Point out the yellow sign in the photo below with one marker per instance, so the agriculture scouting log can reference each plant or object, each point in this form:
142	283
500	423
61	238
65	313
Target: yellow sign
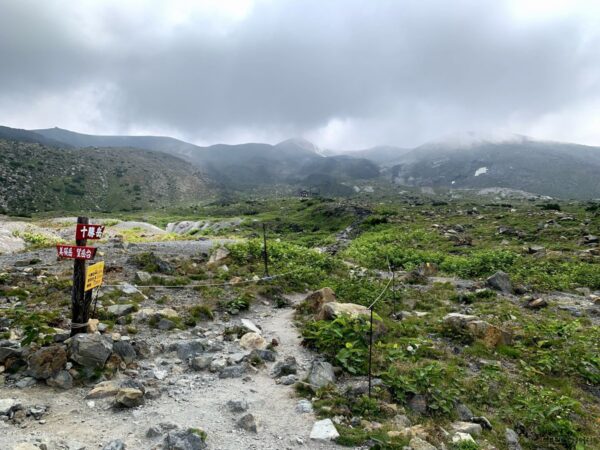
93	275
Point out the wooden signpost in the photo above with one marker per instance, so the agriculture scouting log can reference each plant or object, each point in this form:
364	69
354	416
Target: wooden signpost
81	296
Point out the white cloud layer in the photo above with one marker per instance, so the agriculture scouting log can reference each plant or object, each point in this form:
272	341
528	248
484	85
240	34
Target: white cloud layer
344	73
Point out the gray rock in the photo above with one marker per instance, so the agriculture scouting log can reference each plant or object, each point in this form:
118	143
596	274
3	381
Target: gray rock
304	406
201	362
117	444
142	277
474	429
248	423
120	310
249	325
236	371
165	324
324	430
188	349
265	355
6	352
464	413
37	411
288	380
288	366
183	440
26	382
237	405
321	374
62	380
125	350
46	362
417	443
500	281
9	405
90	350
400	421
160	429
512	440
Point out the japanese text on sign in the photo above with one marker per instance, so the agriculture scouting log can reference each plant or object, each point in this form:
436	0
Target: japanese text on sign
75	252
88	231
93	276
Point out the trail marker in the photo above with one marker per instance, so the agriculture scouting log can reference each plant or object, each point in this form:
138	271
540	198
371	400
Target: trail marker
88	231
94	275
75	251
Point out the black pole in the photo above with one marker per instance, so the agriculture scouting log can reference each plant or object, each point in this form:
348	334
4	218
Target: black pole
80	300
265	253
394	290
370	350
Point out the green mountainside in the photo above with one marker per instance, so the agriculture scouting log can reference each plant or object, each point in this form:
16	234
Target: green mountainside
34	177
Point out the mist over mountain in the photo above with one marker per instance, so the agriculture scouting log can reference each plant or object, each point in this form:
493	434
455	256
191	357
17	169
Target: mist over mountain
464	161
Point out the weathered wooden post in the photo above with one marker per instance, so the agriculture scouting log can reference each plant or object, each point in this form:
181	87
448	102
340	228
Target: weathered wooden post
80	300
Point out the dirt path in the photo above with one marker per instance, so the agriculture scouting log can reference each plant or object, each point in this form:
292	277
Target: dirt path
189	399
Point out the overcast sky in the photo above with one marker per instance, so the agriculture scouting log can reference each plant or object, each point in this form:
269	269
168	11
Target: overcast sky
344	74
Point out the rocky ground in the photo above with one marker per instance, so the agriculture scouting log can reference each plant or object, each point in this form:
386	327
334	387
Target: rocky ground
200	378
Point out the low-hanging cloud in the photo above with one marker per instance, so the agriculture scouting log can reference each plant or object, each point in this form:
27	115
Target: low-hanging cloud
345	73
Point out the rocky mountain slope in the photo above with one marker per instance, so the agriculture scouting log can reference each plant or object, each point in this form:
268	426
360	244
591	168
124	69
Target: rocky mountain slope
548	168
35	177
293	162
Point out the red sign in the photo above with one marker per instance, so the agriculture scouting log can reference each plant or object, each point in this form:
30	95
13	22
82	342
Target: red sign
75	252
88	231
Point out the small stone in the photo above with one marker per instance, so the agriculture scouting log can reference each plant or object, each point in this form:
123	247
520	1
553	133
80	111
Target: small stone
249	325
237	405
26	382
500	281
400	421
304	407
117	444
9	405
26	446
288	380
165	324
248	423
417	443
474	429
512	440
324	430
129	397
183	440
120	310
459	437
235	371
464	413
334	310
288	366
251	341
537	303
201	362
142	277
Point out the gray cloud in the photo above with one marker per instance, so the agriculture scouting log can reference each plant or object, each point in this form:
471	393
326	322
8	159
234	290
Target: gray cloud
345	73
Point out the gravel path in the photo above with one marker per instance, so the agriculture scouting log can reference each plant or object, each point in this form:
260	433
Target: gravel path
189	399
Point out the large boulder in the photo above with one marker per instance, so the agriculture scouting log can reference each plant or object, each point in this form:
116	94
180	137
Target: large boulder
47	362
333	310
321	374
7	352
90	350
491	335
500	281
317	299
